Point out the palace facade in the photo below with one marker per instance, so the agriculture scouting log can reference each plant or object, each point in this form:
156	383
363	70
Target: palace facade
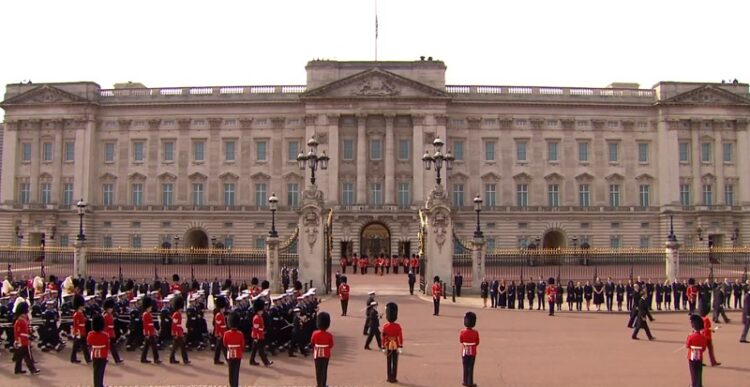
555	166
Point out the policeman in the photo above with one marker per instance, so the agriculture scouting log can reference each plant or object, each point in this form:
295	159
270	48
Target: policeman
373	323
393	341
469	339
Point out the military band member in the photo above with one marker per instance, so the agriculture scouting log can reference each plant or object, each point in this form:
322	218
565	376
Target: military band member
395	262
109	328
322	343
175	287
99	343
414	262
344	262
696	345
258	334
298	326
178	333
21	343
344	295
234	341
393	341
220	327
149	332
469	339
437	292
373	325
386	266
79	331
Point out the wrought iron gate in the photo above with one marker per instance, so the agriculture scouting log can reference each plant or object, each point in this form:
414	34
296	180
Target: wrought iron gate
328	230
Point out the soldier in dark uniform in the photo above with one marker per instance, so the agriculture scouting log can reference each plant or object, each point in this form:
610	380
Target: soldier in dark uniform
370	300
745	316
458	280
620	291
641	315
540	288
521	293
373	323
609	293
530	292
512	295
297	342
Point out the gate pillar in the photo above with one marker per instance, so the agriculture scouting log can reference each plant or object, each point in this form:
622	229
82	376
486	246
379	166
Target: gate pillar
312	238
439	236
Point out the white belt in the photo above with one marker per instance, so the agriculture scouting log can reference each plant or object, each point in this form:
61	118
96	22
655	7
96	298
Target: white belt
321	346
233	346
98	346
470	344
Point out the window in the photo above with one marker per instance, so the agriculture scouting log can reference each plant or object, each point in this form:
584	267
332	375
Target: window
24	196
137	194
584	195
458	195
645	242
292	195
490	244
684	150
292	150
490	200
261	195
645	195
404	195
583	151
458	150
521	150
108	193
376	194
552	150
26	152
229	194
64	241
168	151
197	194
67	194
685	199
45	193
727	154
708	194
489	151
109	152
135	241
375	149
614	195
614	152
198	150
729	194
347	149
47	151
553	195
138	151
167	194
347	193
260	243
260	151
643	152
706	152
70	152
228	242
229	150
522	195
614	241
107	241
403	149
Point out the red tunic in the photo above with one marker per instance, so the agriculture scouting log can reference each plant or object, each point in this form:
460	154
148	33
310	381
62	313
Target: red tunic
220	324
109	325
52	287
234	341
469	340
414	262
343	262
696	345
148	324
79	325
706	332
344	292
322	342
254	290
551	293
21	330
395	262
392	336
259	328
177	324
387	262
175	287
99	344
437	290
692	293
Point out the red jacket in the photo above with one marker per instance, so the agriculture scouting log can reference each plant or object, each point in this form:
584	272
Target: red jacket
344	292
469	340
706	332
177	324
234	341
79	325
551	293
148	324
322	342
437	290
109	325
220	324
392	336
696	345
692	293
175	287
21	330
259	328
98	342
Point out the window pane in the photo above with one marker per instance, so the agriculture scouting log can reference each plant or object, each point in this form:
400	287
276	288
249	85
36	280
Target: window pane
169	151
229	151
293	150
553	195
458	150
198	148
376	193
522	195
375	151
260	151
137	194
26	151
489	195
261	195
685	194
229	194
47	151
708	198
684	152
292	196
642	152
109	152
138	151
583	151
347	193
521	151
614	195
70	151
729	194
552	151
348	149
403	149
728	152
68	194
404	195
458	195
489	151
614	152
584	196
645	195
706	152
167	194
197	194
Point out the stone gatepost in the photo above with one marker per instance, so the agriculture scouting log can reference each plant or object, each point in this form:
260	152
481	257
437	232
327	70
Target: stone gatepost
477	263
439	237
312	238
79	259
272	263
672	254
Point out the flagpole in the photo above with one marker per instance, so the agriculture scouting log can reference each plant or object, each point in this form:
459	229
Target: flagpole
376	30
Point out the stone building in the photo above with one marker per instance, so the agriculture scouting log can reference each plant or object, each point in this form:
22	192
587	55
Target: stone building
560	165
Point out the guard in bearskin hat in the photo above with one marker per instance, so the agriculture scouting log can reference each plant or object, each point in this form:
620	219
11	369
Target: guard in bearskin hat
696	345
551	293
99	342
322	342
220	326
234	341
21	332
79	330
437	292
109	327
178	334
393	341
149	332
175	287
469	339
258	334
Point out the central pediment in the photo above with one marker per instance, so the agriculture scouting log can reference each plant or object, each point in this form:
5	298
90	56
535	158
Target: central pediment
44	95
707	95
375	83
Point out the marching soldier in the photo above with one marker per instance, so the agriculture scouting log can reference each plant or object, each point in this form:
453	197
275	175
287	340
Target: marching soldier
469	339
395	262
386	266
322	343
99	343
393	341
437	292
344	262
258	334
149	332
373	323
707	333
109	328
234	341
178	334
220	327
370	299
696	345
642	314
79	331
21	331
344	295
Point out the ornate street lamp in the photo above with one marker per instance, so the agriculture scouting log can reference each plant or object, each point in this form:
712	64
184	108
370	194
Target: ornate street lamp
478	209
437	159
312	159
709	245
671	237
176	241
272	203
81	212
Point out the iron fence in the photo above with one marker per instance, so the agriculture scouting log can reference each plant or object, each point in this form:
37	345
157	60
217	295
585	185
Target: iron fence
28	262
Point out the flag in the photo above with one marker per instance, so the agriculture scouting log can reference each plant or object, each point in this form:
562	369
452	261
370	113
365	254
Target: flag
376	26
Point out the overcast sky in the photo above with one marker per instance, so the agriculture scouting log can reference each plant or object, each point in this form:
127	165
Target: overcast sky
497	42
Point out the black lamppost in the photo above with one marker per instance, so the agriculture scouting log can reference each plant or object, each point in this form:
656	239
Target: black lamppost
312	159
709	245
437	159
478	208
272	202
81	211
671	237
735	237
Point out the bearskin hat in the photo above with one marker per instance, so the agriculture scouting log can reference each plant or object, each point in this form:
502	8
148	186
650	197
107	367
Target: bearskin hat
129	285
343	279
254	281
21	307
235	320
297	285
696	322
178	303
258	305
220	302
691	281
97	323
109	303
265	285
175	278
78	301
52	279
324	320
147	302
551	280
470	319
436	279
391	312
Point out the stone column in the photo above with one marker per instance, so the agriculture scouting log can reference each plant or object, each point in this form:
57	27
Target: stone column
79	259
439	238
390	162
272	263
333	166
8	189
477	263
312	237
743	165
672	252
362	160
418	149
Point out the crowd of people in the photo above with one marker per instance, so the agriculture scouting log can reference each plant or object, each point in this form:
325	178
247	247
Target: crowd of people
381	264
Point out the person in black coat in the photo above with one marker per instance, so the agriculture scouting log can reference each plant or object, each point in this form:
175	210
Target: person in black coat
541	286
570	297
620	292
484	291
676	293
579	296
718	305
629	294
745	316
502	295
521	294
458	280
373	323
412	281
609	293
512	295
588	294
737	292
659	293
667	288
641	315
494	289
531	292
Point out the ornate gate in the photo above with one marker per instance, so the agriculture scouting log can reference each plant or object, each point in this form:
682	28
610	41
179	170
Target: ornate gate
288	254
421	235
328	250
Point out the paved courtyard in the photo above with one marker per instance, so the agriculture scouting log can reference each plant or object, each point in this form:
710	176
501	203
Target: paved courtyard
518	348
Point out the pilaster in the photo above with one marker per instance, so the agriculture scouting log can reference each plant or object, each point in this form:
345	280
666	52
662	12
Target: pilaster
390	162
272	263
8	188
362	160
